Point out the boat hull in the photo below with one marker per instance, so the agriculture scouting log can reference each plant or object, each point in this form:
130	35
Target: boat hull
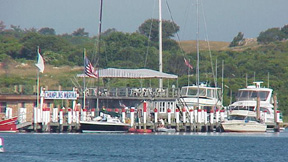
99	127
133	130
9	125
243	127
168	130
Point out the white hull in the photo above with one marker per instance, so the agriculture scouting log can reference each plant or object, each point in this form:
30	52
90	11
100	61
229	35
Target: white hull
163	129
242	126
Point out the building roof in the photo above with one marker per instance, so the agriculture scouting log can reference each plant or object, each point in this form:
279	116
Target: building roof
132	73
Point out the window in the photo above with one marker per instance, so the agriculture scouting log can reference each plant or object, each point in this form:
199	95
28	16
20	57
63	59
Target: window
3	107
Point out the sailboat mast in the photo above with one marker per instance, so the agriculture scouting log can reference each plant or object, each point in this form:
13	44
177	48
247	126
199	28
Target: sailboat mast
84	80
160	43
197	46
98	63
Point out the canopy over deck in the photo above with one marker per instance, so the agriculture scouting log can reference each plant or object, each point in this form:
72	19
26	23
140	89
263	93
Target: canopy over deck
132	73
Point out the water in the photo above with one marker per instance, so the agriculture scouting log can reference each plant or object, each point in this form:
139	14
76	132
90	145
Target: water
146	147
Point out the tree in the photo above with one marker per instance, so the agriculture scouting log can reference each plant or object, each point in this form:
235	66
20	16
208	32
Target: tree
238	40
150	28
108	31
270	35
80	33
284	29
47	31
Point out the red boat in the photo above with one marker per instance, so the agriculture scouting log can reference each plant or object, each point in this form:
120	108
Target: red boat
9	125
133	130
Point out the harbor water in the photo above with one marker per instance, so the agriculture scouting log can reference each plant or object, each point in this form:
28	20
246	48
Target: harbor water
146	147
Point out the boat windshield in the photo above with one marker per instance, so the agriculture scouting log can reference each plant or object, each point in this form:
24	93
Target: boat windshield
236	117
244	95
192	91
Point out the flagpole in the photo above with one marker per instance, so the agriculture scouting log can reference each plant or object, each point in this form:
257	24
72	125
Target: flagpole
84	81
38	77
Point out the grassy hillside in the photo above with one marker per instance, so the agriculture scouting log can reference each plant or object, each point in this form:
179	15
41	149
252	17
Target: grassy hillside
190	46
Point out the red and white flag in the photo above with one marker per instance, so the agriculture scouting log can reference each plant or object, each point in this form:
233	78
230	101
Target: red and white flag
188	64
89	69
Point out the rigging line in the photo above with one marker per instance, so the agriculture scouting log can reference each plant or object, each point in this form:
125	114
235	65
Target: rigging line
188	8
180	45
208	43
149	36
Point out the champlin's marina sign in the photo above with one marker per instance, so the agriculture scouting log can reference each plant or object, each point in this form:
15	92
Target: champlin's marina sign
66	95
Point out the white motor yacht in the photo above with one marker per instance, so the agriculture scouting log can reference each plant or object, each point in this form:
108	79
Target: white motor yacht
243	121
247	100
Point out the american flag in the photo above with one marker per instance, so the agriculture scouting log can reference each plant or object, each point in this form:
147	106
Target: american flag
89	69
187	64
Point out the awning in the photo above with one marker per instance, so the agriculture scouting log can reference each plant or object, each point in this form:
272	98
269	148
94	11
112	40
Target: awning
132	73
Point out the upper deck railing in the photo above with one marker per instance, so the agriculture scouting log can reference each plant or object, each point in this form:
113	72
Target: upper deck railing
134	92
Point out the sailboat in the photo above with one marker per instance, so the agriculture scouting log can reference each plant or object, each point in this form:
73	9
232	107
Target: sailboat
103	122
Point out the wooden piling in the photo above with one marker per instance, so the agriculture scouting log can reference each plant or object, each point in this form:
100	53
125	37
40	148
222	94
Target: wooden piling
276	127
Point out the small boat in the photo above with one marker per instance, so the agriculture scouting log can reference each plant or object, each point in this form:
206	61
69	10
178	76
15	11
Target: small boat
243	121
133	130
1	144
9	125
104	123
164	129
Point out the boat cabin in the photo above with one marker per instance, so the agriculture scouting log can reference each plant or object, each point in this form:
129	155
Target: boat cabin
252	92
204	91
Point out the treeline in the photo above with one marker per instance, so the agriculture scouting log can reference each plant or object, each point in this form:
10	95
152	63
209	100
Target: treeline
117	49
140	50
265	37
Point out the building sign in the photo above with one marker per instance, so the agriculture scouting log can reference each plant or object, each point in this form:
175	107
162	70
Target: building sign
63	95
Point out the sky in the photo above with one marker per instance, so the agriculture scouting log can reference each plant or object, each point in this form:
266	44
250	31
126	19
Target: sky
219	20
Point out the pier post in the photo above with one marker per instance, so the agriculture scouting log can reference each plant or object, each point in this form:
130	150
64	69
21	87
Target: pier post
169	117
276	114
55	115
222	112
205	120
177	119
258	108
199	121
155	118
74	107
217	116
211	120
265	116
184	118
44	119
77	111
191	120
48	118
35	121
132	111
123	115
61	120
69	121
92	113
83	115
144	114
